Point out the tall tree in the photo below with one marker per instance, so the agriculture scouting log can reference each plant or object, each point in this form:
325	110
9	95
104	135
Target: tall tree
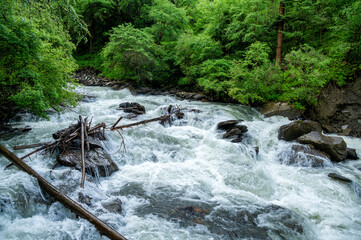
280	34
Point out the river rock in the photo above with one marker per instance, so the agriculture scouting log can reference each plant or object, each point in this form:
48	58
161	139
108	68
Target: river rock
113	206
304	156
333	146
89	99
296	129
98	162
236	131
281	109
339	177
133	107
227	125
351	154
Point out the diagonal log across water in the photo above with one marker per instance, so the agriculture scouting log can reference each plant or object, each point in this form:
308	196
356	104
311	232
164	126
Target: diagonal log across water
101	226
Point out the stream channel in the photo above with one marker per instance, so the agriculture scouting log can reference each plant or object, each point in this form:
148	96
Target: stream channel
181	181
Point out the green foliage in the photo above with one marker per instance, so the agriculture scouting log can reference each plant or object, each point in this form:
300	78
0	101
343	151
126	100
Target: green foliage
131	54
169	21
35	59
224	47
93	61
255	79
214	76
307	72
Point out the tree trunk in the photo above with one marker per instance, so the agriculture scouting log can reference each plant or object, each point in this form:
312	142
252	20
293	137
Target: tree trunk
91	45
353	41
280	36
101	226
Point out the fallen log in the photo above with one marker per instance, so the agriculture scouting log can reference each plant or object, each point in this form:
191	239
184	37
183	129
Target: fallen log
31	153
31	146
82	152
140	123
101	226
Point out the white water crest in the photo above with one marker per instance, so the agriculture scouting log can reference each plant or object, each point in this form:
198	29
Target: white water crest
181	181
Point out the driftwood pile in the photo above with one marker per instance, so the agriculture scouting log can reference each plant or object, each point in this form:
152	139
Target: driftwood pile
101	226
79	146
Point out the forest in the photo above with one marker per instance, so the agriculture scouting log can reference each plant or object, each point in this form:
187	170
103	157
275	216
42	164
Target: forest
249	51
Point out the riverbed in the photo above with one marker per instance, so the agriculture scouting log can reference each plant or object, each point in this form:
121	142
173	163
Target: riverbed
180	181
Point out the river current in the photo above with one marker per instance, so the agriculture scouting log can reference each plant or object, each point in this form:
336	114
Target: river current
181	181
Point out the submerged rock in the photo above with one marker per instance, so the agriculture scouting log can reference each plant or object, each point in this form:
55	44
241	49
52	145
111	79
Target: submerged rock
227	125
89	99
351	154
296	129
247	221
134	108
333	146
339	177
304	156
113	205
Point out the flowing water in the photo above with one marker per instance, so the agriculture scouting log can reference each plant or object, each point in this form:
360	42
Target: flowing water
181	181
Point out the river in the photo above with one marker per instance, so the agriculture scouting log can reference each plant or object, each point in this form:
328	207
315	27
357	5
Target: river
181	181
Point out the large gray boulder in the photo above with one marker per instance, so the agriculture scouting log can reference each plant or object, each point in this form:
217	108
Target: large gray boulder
333	146
98	163
227	125
235	131
281	109
296	129
351	154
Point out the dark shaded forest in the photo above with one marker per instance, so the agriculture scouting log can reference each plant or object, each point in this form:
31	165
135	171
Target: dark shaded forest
250	51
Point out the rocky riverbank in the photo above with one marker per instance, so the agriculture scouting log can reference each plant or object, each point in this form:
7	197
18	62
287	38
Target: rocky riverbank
338	110
89	77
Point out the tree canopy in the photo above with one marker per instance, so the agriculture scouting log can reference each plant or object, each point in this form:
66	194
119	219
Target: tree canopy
226	48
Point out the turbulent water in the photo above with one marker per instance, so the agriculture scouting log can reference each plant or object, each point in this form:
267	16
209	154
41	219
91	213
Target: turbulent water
181	181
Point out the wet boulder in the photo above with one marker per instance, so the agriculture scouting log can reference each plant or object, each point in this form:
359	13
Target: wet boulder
171	114
233	130
304	156
89	99
98	163
296	129
339	177
236	131
333	146
113	205
280	109
227	125
351	154
134	108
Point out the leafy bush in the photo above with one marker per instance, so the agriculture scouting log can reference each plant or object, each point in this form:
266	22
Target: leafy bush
214	76
131	54
35	60
191	51
255	79
307	71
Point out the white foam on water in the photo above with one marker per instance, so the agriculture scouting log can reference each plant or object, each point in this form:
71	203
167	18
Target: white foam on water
188	161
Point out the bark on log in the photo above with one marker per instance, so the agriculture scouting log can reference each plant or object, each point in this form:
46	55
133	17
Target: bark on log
101	226
38	150
280	35
31	146
82	152
140	123
116	123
